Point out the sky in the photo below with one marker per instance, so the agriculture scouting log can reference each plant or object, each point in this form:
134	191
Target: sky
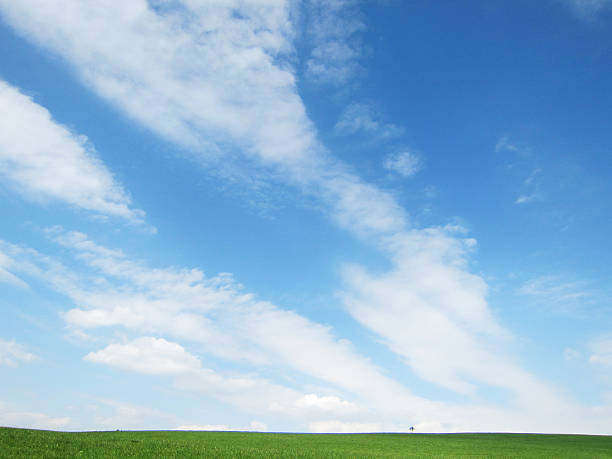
306	216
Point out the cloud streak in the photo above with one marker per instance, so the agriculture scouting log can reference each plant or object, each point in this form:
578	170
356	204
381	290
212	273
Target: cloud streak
55	163
233	91
358	118
333	28
10	416
433	313
222	85
588	9
404	163
601	351
163	307
11	353
557	294
212	314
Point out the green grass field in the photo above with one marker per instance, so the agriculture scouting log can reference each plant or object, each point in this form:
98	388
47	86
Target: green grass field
37	443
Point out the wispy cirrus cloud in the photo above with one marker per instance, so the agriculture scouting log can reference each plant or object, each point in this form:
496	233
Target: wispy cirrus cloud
336	426
6	275
558	293
518	157
117	414
214	315
601	351
253	426
158	69
588	9
171	310
221	84
357	118
11	416
11	353
525	198
404	163
334	29
55	164
363	119
530	188
505	144
434	314
231	95
158	356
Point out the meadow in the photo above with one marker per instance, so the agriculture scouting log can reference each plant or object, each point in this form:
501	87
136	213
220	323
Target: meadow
172	444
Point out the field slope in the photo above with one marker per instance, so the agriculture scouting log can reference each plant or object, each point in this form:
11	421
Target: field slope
38	443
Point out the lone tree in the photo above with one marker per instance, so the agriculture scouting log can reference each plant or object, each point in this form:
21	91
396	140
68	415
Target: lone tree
411	429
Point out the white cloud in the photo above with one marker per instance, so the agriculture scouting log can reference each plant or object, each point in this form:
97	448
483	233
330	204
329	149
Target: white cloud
571	354
361	117
157	356
531	179
343	427
5	275
43	160
10	278
505	144
601	351
215	81
522	199
206	427
531	188
433	313
587	9
430	192
333	27
11	353
254	426
460	351
213	312
156	66
404	163
230	91
216	314
116	414
325	403
556	292
360	207
12	417
147	355
520	159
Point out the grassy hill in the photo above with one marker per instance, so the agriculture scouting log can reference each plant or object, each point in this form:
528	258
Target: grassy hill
47	444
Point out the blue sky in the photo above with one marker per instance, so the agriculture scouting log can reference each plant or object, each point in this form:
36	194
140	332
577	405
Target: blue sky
317	216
